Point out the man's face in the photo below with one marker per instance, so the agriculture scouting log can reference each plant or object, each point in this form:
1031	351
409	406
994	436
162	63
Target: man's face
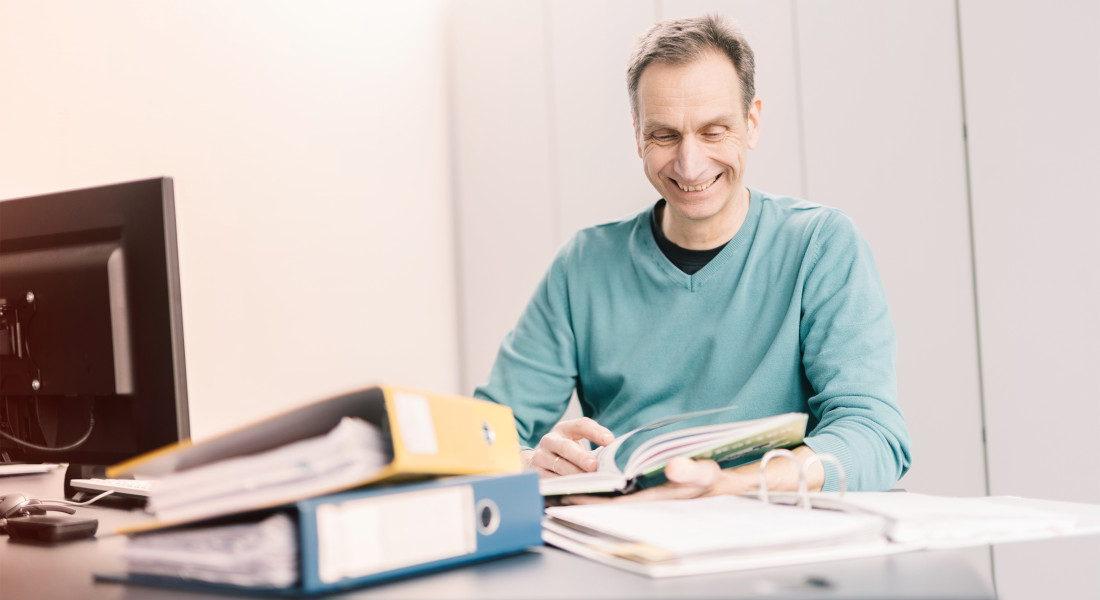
693	137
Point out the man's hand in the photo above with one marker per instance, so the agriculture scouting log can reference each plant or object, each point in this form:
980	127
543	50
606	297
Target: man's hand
560	452
689	478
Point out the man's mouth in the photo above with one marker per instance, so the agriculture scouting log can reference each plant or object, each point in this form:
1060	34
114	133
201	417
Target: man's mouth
696	188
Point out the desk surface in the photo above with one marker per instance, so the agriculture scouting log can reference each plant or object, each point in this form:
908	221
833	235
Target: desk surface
65	571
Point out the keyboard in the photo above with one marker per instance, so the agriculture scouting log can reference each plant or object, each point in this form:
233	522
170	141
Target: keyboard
128	487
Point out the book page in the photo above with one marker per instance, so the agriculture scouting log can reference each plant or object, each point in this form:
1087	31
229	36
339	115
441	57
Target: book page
730	444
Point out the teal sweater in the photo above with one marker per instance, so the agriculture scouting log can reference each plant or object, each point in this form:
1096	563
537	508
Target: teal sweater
789	316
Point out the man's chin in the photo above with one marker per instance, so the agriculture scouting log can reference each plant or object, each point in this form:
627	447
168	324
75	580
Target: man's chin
696	209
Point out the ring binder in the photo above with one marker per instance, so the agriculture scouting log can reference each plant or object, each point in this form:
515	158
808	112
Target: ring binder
803	487
757	529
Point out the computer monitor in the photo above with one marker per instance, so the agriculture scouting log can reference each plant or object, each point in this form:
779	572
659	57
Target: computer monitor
91	331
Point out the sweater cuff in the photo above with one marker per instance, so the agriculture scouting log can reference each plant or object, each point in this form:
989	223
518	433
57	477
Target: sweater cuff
829	444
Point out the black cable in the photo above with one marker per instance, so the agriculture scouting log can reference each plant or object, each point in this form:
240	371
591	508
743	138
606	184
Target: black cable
76	444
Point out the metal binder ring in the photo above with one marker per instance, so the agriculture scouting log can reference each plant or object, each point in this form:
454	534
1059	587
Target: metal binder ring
803	471
826	458
763	492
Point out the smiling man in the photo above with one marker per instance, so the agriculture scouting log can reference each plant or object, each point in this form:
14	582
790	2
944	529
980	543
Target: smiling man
716	295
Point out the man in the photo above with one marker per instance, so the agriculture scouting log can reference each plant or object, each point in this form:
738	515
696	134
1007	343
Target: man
717	295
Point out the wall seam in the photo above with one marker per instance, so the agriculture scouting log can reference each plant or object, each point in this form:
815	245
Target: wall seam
974	272
799	101
551	126
462	334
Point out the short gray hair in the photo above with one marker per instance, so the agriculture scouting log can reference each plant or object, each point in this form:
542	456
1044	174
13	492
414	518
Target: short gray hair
680	41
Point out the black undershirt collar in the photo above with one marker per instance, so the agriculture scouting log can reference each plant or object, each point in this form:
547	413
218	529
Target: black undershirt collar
688	261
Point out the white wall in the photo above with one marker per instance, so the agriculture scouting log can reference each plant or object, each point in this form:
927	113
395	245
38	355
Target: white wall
309	146
1032	77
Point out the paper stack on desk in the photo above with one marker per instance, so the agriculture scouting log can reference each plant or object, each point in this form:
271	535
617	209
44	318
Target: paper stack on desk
261	554
353	452
364	487
707	535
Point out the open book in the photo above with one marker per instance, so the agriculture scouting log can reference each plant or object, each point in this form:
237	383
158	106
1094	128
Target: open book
638	458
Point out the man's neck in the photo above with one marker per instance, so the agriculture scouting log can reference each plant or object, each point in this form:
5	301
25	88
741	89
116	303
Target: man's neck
709	233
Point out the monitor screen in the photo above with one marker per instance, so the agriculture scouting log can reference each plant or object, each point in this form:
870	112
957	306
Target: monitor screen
91	330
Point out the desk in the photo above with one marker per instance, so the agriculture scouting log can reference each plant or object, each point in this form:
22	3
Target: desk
65	572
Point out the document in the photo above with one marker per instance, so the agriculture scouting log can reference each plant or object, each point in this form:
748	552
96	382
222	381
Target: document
349	454
707	535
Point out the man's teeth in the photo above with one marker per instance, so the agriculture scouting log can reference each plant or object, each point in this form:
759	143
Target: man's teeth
696	188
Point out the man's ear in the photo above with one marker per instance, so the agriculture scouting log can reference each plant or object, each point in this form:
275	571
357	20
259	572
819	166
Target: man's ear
634	128
753	122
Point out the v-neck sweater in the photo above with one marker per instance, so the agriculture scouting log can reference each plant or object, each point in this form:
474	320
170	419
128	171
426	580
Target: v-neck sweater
790	316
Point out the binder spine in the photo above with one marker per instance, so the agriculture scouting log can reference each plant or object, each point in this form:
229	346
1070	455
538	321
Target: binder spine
499	515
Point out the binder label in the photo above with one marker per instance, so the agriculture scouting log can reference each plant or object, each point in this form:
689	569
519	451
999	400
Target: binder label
414	418
387	532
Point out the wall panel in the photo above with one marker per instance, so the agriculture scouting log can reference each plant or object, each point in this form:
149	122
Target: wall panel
505	206
884	142
1032	77
597	172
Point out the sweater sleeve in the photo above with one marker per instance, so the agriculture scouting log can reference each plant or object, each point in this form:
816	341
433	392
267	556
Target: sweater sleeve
849	353
535	371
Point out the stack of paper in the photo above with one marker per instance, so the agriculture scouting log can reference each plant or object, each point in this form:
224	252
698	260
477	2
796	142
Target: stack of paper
348	455
256	555
943	521
682	537
723	533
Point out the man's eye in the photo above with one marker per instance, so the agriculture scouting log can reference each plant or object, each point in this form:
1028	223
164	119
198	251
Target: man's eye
714	134
663	137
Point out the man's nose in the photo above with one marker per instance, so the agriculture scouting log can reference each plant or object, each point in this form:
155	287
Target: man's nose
691	161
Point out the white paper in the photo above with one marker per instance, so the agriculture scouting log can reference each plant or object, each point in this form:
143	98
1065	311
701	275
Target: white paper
347	455
261	555
718	524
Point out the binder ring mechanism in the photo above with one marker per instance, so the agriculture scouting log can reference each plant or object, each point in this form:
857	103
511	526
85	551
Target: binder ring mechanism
803	491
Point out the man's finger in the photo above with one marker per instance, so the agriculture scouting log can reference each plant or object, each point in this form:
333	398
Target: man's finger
554	463
569	450
587	429
703	473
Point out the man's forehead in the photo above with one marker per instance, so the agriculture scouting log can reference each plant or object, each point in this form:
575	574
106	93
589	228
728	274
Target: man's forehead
708	84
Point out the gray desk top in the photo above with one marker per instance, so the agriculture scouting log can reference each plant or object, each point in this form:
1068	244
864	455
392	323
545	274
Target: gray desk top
65	572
